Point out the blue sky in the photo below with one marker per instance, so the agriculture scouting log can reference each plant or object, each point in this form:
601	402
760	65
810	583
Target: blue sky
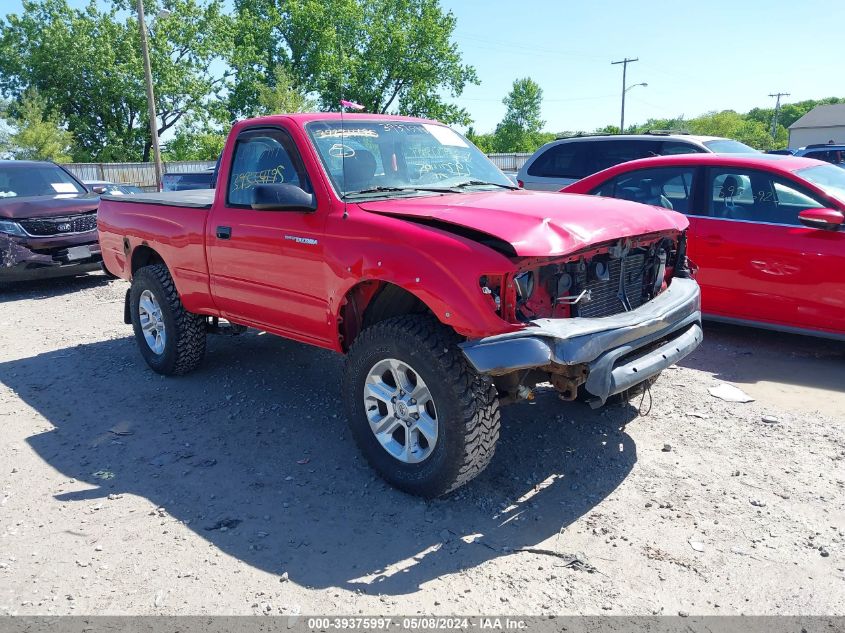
695	56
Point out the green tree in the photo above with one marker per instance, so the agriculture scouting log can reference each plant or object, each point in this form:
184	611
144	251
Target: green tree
282	96
730	124
36	133
607	129
5	130
190	143
388	55
675	124
86	64
520	130
484	142
789	114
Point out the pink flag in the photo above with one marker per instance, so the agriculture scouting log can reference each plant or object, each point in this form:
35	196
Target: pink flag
351	104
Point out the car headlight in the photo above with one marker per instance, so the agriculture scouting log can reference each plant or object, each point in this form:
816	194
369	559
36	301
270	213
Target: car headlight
11	228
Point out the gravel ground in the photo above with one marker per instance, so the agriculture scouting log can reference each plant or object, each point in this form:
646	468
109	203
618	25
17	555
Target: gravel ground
238	490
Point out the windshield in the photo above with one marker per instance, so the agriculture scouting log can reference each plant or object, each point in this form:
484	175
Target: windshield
379	158
120	190
829	178
728	146
36	180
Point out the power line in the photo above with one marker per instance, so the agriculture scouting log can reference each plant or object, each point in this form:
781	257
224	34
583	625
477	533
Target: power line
499	99
486	42
624	63
777	111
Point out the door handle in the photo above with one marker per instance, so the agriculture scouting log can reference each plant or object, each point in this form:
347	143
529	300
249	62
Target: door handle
224	232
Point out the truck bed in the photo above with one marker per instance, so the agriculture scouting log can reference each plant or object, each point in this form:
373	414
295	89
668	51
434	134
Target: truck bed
194	198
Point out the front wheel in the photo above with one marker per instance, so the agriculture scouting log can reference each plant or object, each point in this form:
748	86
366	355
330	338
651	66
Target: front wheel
424	419
171	339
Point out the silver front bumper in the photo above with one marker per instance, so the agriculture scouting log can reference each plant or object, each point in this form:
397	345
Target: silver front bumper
619	351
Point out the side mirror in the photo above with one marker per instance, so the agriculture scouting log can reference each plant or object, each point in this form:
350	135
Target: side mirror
98	189
825	219
283	196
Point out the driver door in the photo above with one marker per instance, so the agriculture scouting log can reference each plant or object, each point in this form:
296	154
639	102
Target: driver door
267	266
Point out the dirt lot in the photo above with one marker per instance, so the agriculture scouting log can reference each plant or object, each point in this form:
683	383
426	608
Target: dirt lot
237	489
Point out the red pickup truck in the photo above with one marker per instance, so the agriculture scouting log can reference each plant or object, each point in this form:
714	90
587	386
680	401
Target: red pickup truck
396	242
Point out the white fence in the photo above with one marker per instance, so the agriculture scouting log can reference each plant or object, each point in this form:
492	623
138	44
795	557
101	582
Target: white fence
139	174
509	162
143	174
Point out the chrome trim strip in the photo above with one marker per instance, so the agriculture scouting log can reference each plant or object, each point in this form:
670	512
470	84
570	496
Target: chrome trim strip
707	217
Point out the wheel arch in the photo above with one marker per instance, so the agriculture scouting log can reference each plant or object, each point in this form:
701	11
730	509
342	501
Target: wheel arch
144	255
371	301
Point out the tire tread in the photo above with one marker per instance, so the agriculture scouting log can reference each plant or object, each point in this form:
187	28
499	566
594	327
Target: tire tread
480	418
190	328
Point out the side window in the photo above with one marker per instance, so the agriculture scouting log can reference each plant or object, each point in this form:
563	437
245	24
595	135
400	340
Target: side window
606	189
261	157
564	160
603	154
788	194
756	196
667	187
832	156
670	148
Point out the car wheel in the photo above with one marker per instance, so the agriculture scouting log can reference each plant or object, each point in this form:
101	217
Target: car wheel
171	339
423	418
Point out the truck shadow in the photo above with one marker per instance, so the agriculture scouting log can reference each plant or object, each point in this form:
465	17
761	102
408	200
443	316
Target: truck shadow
252	453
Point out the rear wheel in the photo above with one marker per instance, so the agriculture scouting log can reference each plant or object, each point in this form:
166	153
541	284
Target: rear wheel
425	421
171	339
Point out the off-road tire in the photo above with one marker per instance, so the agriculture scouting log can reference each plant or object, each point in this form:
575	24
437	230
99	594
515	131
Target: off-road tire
467	404
185	343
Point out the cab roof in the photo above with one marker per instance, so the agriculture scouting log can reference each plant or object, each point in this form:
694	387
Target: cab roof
302	118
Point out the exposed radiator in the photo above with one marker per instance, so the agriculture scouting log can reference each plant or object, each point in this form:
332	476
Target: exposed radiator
604	296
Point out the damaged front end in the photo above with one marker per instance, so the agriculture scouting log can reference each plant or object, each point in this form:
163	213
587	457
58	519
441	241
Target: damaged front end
599	322
26	257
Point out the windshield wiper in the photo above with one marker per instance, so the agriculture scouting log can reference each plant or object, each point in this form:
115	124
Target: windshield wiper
395	190
448	189
475	183
377	190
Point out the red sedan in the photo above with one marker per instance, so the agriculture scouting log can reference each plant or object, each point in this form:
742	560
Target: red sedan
766	232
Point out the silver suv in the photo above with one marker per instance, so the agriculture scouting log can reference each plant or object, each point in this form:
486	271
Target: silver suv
565	160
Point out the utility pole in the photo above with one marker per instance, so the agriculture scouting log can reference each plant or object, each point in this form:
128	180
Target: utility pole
624	63
777	111
151	103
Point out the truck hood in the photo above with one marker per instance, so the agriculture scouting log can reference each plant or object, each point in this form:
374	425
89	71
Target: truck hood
47	206
536	223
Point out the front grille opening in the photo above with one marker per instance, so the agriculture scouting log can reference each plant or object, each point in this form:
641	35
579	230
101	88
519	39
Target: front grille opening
44	227
619	279
620	288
